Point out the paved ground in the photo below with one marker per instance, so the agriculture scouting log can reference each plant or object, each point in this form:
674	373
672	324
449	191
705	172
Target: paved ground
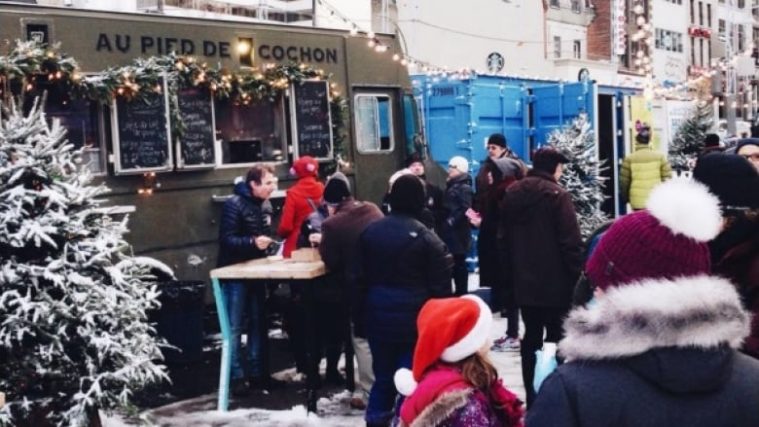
191	400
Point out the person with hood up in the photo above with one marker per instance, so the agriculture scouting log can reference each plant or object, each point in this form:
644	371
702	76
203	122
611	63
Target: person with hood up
657	346
455	230
642	170
300	201
244	235
545	252
453	384
402	264
735	251
749	148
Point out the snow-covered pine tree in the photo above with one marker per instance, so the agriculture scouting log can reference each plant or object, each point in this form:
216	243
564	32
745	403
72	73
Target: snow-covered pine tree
689	139
74	335
581	176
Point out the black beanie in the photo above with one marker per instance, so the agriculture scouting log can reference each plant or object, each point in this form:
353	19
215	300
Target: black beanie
497	139
729	177
337	189
711	140
407	195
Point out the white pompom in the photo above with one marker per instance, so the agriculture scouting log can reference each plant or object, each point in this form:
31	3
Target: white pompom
686	207
404	381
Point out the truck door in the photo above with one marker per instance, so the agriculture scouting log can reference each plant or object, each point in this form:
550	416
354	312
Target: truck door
380	145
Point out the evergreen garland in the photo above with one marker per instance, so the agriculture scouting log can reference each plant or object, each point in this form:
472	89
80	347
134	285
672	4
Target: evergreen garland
31	66
581	175
74	335
689	140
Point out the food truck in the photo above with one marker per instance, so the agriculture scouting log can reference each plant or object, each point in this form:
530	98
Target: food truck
173	184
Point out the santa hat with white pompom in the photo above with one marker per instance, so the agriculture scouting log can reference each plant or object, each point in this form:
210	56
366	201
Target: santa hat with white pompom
450	330
667	240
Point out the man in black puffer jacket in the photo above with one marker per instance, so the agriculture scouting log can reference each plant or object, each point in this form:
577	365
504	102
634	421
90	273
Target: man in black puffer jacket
243	235
402	265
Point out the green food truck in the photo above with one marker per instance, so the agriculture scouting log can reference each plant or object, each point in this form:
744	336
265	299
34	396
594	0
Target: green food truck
170	162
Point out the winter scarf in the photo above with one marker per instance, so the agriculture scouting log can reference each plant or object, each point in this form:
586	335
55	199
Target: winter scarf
443	391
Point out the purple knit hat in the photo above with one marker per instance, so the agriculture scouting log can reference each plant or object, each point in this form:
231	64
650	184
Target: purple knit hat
667	240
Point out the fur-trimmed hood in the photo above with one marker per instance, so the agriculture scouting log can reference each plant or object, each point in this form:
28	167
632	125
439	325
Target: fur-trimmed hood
702	312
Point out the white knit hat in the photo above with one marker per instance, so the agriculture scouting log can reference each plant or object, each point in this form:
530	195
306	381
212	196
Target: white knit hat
459	163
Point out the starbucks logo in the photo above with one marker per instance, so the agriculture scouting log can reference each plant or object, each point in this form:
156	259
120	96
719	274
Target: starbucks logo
495	62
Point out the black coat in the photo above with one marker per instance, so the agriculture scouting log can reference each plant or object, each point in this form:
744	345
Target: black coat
543	241
243	217
402	265
455	229
658	354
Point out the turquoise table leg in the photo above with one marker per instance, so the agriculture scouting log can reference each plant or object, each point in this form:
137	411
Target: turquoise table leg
226	339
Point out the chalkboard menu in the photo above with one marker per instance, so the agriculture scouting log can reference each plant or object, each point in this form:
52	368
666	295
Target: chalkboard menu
196	143
311	116
141	134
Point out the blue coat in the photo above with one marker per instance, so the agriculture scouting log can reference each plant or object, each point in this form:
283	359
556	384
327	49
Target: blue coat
402	265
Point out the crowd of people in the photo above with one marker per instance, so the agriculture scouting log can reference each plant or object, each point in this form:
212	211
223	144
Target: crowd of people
655	316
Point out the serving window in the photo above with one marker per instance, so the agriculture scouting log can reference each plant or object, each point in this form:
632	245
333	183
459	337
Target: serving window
81	119
250	133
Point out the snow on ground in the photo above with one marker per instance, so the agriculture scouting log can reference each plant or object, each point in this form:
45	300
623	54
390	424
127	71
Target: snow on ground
333	411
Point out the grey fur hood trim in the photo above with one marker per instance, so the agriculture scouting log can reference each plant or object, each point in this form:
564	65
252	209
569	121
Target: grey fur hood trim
701	311
442	408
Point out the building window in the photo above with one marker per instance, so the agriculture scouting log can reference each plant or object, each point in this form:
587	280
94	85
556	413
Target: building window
555	3
576	6
577	49
709	15
249	133
701	50
674	1
556	47
721	27
670	41
374	124
741	3
700	13
692	51
741	38
692	12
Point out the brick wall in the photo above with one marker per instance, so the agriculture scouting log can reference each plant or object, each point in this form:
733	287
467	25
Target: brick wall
600	31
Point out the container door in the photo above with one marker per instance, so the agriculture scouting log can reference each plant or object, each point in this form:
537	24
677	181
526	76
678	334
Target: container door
497	108
553	106
380	143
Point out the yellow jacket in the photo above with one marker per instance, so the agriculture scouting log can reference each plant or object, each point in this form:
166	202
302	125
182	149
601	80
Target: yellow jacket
642	171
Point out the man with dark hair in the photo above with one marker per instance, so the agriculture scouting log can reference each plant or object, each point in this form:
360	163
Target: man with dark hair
545	248
402	265
642	170
243	235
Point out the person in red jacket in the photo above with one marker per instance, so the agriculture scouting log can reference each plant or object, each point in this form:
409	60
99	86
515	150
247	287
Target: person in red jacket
300	201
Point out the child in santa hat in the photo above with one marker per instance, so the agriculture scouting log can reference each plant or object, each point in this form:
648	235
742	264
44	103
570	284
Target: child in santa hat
452	382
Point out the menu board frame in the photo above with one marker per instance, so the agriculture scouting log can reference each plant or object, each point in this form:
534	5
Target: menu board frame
116	137
181	165
294	119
